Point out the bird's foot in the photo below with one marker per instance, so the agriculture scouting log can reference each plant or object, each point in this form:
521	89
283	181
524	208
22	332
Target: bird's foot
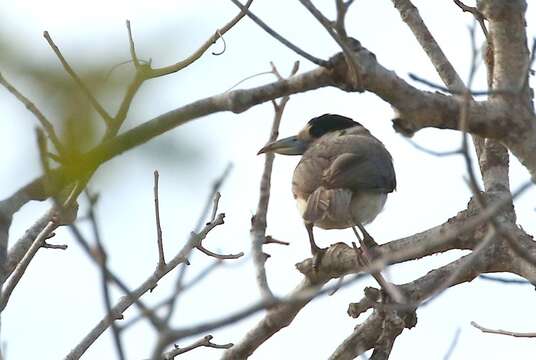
318	254
369	241
369	251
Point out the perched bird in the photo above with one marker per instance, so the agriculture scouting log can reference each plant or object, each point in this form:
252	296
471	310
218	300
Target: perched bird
343	177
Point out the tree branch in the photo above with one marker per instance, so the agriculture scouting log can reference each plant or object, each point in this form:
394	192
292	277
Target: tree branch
504	332
204	342
103	113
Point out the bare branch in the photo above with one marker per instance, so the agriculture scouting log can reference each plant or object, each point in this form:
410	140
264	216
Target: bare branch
23	265
212	200
505	281
47	125
102	260
259	222
105	116
54	246
122	112
477	15
353	63
363	253
270	240
204	342
342	8
453	344
201	50
217	197
132	47
410	15
339	259
504	332
161	259
175	295
133	296
22	245
280	38
432	152
64	213
197	239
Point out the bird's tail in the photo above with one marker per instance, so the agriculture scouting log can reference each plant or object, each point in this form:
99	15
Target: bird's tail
328	203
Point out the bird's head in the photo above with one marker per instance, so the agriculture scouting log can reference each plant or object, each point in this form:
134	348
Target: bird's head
313	130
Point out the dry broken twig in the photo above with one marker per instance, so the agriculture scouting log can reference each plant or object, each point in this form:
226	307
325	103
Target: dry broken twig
204	342
504	332
47	125
161	258
280	38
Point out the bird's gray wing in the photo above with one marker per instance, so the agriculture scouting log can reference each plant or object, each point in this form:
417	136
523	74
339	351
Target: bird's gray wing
364	164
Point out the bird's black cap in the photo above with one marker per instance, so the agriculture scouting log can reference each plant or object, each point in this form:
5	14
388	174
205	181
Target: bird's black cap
323	124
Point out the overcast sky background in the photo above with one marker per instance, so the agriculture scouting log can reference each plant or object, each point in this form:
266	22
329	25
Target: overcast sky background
59	299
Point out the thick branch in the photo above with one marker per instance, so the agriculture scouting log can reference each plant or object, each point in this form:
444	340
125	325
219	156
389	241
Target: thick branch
410	15
417	109
369	334
340	260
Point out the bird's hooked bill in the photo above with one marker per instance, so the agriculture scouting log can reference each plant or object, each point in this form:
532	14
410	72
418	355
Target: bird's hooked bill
287	146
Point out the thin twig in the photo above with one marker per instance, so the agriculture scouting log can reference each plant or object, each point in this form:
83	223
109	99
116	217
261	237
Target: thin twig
505	281
389	288
161	259
47	125
210	202
130	295
201	50
23	265
122	112
102	260
458	92
217	197
453	344
175	295
53	223
504	332
302	294
248	78
259	223
477	14
280	38
470	259
432	152
204	342
103	113
199	237
270	240
132	47
525	80
219	256
353	65
54	246
342	8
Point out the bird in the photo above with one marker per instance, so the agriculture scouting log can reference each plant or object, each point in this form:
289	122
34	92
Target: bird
342	179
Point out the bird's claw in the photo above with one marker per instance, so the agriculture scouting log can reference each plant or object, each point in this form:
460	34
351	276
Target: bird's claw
318	254
368	253
369	241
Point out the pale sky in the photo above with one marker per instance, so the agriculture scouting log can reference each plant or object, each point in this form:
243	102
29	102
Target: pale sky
59	299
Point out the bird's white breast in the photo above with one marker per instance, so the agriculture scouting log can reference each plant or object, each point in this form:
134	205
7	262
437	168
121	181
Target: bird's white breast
367	205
